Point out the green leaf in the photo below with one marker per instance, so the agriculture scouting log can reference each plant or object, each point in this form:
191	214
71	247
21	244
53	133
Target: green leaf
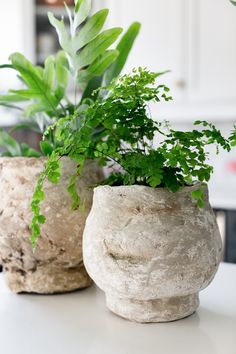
97	67
198	195
60	27
6	66
92	86
82	10
124	47
28	151
11	98
41	219
37	88
62	69
36	108
72	190
90	30
9	143
97	46
233	2
49	72
46	148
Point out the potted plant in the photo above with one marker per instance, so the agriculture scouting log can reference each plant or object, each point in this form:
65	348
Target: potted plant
151	241
86	61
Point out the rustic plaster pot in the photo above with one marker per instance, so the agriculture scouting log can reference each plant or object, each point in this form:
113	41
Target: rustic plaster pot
57	264
151	251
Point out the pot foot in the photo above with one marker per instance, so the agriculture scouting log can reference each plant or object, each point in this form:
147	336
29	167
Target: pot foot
157	310
48	280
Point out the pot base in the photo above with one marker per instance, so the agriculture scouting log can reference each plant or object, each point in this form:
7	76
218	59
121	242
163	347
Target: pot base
158	310
47	280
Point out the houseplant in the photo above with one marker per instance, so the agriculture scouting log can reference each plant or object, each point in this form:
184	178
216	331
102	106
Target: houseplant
151	241
87	61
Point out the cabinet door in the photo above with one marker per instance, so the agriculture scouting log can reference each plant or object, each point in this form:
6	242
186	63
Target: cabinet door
16	34
161	43
212	51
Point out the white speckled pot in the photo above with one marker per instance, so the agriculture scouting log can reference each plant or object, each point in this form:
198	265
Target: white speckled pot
57	265
151	251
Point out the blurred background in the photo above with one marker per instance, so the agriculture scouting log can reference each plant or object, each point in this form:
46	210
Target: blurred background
195	40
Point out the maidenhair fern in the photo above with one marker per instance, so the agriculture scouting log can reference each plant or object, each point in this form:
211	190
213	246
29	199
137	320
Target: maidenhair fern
118	131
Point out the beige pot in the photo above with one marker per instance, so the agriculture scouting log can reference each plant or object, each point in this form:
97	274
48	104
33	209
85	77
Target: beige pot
57	265
151	251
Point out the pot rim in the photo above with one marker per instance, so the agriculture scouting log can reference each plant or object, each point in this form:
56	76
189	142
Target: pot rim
187	188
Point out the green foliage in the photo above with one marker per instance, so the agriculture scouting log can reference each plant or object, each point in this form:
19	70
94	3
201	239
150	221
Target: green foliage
117	130
233	137
53	172
84	59
12	148
85	45
124	47
233	2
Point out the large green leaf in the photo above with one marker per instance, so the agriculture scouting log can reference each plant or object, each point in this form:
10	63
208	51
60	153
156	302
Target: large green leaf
97	67
90	30
97	46
124	47
233	2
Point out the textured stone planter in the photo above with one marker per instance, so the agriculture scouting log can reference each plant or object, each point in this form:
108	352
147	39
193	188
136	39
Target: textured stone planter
57	265
151	251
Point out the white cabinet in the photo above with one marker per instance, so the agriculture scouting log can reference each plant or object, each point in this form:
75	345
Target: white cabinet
16	34
196	40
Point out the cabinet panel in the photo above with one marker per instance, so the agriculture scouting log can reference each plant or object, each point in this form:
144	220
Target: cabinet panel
212	51
16	34
161	43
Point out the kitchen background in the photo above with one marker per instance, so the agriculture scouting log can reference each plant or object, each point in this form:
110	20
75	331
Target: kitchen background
194	39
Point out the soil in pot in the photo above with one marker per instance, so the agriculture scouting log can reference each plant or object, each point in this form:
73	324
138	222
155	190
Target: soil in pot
151	251
57	265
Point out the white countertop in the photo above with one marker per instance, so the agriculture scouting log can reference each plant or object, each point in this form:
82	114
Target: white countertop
79	323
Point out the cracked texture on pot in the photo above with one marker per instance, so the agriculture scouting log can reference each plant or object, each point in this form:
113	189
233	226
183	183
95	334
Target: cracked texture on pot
151	250
57	265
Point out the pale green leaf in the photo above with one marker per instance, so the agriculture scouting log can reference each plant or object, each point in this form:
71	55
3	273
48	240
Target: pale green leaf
82	10
62	33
